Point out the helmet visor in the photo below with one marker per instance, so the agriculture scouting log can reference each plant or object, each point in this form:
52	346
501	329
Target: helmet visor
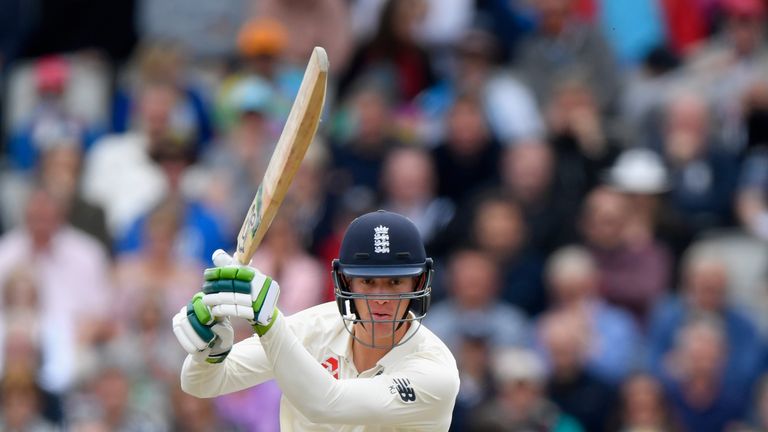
383	271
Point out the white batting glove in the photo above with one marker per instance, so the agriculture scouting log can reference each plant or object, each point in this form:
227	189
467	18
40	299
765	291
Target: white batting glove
200	334
233	290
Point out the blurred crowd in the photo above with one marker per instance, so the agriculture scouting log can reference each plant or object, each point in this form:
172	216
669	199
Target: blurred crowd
591	177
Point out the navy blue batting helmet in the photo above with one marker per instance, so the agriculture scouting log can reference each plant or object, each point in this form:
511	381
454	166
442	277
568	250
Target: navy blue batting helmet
383	244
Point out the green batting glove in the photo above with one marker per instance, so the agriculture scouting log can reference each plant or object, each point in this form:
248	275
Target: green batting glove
200	334
231	290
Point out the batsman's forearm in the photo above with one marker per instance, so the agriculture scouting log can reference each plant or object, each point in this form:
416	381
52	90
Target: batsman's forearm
246	366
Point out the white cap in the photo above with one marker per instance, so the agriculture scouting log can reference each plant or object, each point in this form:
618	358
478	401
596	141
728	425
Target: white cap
518	364
639	170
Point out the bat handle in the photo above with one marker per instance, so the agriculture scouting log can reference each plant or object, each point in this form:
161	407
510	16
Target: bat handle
238	259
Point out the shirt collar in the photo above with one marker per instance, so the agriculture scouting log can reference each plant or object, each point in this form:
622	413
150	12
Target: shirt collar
341	343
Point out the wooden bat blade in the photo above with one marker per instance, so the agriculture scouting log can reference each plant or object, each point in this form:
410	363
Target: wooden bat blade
298	132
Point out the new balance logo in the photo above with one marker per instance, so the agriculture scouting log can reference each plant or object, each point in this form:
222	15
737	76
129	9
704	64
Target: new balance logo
404	389
381	239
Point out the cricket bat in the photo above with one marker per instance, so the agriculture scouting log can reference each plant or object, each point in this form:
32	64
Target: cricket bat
299	130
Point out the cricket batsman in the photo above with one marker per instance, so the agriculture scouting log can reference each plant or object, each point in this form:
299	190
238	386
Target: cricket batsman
362	363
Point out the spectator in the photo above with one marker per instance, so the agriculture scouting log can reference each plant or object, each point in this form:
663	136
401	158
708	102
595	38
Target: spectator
261	46
583	141
571	386
613	341
512	111
21	403
51	118
120	174
393	57
474	301
703	175
155	270
231	170
314	18
60	173
499	230
730	62
200	230
644	406
521	403
164	62
560	45
700	394
360	155
467	159
529	176
641	177
409	188
704	292
312	200
476	383
633	275
72	306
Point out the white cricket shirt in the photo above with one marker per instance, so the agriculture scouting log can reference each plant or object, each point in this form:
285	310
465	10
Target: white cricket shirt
412	388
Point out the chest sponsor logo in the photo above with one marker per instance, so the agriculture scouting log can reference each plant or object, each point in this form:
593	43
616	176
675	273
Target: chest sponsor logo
331	364
402	386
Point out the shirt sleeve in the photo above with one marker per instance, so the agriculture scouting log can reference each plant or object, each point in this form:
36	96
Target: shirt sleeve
245	366
420	395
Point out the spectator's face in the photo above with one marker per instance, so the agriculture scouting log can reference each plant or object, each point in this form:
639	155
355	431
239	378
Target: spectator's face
702	353
408	15
408	177
60	170
473	357
528	170
156	104
686	129
573	287
499	229
564	345
19	407
604	219
467	132
373	118
553	14
745	32
161	231
705	285
112	390
521	397
43	217
474	280
644	407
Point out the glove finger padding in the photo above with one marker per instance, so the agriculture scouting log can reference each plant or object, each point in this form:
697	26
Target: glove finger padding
237	291
187	333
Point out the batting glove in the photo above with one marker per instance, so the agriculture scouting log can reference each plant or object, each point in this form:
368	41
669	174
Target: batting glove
200	334
232	290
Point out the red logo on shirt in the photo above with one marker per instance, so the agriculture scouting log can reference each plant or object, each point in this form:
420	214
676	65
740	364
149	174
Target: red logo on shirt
331	364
